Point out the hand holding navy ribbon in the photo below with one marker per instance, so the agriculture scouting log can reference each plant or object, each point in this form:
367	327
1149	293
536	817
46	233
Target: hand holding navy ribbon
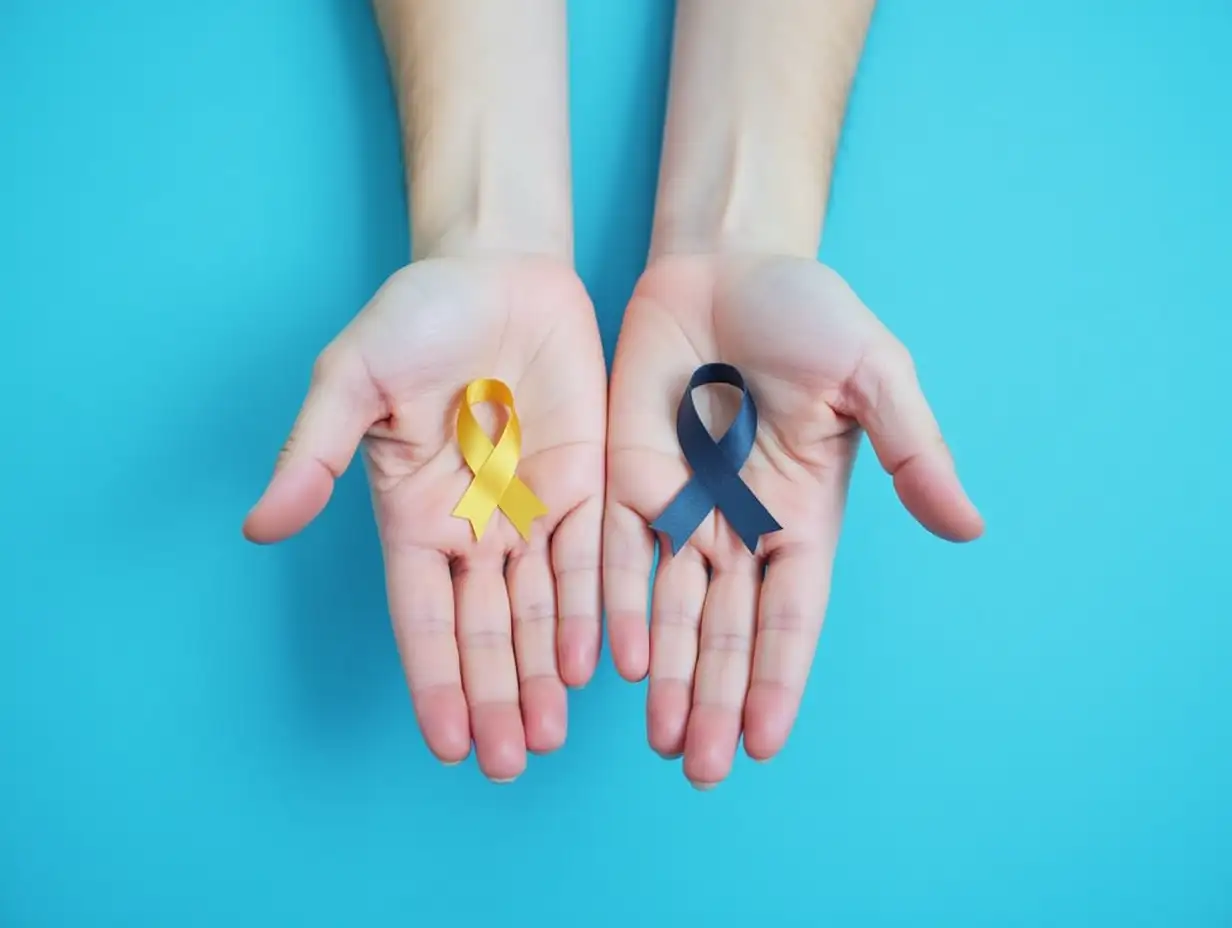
716	482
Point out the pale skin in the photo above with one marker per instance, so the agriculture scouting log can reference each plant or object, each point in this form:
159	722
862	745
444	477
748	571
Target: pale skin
491	632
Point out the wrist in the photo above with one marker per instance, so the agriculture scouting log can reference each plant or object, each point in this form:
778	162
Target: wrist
476	202
482	90
758	92
731	190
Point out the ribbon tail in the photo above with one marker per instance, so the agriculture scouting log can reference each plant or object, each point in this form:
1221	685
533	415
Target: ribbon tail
476	507
521	506
675	536
750	532
745	513
684	514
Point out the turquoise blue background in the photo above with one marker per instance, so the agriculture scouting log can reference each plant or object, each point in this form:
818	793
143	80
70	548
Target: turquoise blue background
1034	730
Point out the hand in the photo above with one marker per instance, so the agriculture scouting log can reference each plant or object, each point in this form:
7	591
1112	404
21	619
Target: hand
487	630
732	636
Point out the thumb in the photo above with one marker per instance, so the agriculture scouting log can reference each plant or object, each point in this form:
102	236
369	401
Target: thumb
884	396
341	405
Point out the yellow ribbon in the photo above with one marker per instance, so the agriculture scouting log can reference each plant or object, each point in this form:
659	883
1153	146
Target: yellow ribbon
494	466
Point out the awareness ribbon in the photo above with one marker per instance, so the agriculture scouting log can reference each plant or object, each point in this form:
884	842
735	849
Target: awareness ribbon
716	482
495	484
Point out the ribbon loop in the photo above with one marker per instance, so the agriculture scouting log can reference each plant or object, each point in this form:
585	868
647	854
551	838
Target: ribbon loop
495	484
716	481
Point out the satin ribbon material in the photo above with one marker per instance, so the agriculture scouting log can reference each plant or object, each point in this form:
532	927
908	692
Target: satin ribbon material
716	482
495	484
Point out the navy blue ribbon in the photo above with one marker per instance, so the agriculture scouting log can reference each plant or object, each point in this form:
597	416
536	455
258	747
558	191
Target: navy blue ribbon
716	482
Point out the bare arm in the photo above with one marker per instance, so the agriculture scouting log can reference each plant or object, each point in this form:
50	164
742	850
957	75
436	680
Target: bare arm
482	91
758	92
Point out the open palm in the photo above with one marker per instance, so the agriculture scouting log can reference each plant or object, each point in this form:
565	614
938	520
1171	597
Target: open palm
732	634
490	631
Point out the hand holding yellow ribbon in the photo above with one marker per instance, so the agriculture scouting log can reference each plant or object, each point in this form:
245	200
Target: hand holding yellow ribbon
494	466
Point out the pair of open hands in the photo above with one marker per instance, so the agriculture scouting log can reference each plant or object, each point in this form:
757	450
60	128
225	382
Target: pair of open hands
492	632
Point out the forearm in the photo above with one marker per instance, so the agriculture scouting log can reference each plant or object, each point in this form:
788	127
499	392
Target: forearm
483	96
758	93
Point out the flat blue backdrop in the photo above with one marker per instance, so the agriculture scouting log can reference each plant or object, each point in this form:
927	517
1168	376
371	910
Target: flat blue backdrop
1034	730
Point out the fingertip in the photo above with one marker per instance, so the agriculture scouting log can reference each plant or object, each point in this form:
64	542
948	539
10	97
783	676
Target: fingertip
500	741
445	724
631	652
710	745
630	640
450	752
972	529
544	714
769	714
295	496
450	746
633	672
578	650
761	749
577	676
667	716
930	489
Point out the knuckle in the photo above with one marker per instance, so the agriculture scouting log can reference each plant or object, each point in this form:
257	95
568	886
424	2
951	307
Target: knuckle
675	614
429	623
784	617
890	361
486	640
535	611
332	363
727	643
579	571
879	372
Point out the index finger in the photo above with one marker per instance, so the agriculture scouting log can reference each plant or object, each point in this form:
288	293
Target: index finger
421	604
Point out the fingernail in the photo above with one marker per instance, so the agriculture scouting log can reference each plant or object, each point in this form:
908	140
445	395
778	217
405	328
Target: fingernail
702	787
504	782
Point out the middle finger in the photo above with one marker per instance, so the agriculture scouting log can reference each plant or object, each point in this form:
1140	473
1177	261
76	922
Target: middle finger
489	672
723	669
676	612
